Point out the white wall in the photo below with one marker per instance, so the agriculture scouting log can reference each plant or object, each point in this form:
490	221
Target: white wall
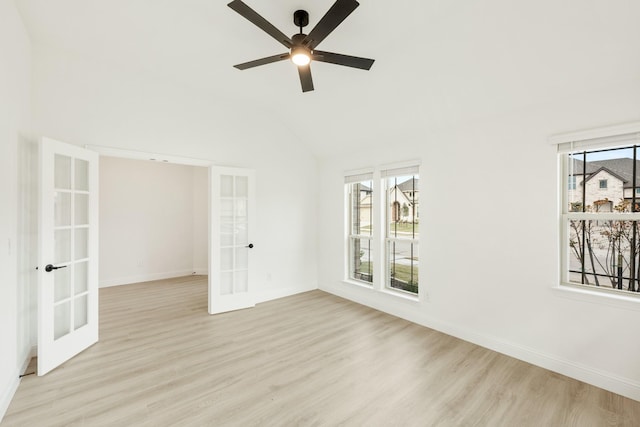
15	75
150	215
489	240
85	101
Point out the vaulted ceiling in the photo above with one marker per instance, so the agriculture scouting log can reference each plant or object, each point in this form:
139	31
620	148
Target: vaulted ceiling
438	63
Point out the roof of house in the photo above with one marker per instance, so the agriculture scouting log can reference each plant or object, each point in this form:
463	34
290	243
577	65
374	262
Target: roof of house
364	187
610	172
622	168
409	185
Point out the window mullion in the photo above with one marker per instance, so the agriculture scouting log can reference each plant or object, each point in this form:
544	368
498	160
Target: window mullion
378	230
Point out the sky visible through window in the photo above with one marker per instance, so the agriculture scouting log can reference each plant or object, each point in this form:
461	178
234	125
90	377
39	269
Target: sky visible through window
610	154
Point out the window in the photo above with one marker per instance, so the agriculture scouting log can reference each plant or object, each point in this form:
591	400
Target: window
600	237
360	194
382	212
401	240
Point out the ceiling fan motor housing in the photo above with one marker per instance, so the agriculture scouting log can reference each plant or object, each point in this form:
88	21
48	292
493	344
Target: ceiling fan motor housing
298	39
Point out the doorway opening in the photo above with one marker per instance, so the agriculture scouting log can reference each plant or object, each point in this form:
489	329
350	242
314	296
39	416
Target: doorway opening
153	221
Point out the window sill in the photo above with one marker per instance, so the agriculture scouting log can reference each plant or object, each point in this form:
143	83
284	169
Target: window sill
386	291
597	297
359	284
402	295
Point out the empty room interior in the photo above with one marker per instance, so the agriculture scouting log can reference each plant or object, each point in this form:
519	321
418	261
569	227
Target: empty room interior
319	213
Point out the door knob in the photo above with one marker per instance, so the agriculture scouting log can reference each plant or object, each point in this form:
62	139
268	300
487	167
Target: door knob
250	246
49	267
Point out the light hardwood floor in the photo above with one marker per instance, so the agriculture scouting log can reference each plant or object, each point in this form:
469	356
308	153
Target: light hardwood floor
308	360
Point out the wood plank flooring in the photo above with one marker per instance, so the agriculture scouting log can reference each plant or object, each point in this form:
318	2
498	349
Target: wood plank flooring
312	359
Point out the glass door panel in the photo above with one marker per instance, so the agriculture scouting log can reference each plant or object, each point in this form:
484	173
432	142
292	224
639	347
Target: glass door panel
62	249
81	209
62	208
62	285
226	186
62	320
81	243
81	277
81	175
62	174
80	311
242	186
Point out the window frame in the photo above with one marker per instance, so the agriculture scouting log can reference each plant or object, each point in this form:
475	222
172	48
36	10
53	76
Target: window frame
378	235
394	210
598	139
603	184
356	179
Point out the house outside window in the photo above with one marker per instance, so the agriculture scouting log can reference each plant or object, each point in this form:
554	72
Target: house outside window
600	236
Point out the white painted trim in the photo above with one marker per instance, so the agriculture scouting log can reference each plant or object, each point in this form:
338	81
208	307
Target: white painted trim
142	155
615	216
119	281
282	293
351	177
201	271
407	310
606	296
360	284
601	132
400	165
10	391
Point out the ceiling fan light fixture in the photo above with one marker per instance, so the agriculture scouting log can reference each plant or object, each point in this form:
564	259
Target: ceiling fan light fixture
300	56
301	47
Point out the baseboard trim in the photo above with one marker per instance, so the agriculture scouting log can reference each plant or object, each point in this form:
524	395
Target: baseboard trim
596	377
12	387
145	278
282	293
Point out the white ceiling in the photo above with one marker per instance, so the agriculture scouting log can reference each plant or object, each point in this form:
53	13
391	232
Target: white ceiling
438	62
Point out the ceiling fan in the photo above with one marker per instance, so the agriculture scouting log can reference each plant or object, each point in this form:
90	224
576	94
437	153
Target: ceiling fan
302	47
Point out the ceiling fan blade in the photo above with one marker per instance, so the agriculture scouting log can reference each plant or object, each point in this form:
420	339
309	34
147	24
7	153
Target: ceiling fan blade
334	16
260	22
305	78
262	61
346	60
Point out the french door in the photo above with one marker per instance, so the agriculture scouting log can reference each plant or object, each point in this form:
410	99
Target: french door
68	253
232	219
